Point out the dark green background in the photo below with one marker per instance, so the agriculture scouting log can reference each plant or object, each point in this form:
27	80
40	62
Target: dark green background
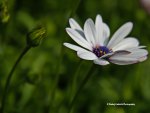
33	83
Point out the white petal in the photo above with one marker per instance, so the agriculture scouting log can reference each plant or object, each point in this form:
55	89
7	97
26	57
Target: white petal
126	43
73	47
106	33
81	33
74	24
89	31
135	48
116	53
122	60
120	34
139	53
135	56
106	30
78	38
87	55
101	62
99	30
142	59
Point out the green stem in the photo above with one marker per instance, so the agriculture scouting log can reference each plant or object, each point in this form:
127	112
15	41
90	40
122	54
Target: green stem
53	91
85	80
75	8
61	58
74	82
7	84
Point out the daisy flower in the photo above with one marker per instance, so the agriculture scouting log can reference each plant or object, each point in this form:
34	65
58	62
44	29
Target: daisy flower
94	44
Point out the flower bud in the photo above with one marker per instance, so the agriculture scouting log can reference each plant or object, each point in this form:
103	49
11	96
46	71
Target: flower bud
4	15
35	36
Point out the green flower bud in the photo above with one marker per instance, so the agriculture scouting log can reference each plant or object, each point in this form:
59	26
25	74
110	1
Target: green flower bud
4	15
35	37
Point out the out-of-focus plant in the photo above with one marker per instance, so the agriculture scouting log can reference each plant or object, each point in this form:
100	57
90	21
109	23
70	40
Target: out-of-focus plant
34	39
4	13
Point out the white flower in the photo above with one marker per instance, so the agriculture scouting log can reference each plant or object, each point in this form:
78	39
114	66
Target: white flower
94	44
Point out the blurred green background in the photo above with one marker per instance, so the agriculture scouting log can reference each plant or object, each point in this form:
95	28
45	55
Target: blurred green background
42	83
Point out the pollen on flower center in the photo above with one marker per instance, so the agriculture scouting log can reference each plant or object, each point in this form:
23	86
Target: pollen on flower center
101	50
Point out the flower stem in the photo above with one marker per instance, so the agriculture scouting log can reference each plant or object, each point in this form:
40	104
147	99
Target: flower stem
72	13
7	84
85	80
74	82
75	7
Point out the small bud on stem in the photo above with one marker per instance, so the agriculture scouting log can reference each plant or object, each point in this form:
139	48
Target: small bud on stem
35	37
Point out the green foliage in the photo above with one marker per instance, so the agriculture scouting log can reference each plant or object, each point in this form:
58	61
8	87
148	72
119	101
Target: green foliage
51	67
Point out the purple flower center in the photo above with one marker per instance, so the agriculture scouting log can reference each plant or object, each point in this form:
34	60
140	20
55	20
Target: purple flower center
101	50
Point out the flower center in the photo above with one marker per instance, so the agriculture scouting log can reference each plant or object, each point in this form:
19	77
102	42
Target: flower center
101	50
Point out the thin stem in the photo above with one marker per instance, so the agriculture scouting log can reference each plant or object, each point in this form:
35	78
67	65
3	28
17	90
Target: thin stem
89	74
73	11
7	84
74	82
75	8
53	91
